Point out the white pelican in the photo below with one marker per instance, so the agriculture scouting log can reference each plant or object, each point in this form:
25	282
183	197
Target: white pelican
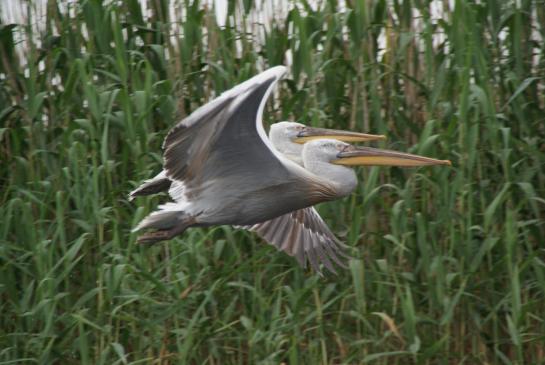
222	169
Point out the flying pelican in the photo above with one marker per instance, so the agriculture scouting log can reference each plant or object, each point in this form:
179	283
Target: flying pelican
222	169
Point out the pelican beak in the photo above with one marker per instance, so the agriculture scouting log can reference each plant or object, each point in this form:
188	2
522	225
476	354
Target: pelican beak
367	156
310	133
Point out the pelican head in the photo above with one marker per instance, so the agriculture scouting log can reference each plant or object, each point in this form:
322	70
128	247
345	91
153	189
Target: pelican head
289	137
330	159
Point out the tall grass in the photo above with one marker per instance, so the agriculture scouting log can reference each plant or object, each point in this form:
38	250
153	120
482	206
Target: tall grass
450	264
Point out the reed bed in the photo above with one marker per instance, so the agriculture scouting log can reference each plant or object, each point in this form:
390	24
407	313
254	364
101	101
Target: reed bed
449	263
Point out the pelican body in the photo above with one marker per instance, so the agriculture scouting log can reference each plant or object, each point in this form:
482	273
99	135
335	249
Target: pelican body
220	168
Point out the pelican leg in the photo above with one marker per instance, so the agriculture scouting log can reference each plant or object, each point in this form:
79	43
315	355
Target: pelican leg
162	235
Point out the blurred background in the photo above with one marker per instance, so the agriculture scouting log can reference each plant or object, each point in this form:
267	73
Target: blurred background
449	263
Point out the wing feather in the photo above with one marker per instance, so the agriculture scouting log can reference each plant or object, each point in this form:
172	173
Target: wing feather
304	235
227	127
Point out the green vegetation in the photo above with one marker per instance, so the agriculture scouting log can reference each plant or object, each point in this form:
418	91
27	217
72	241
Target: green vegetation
450	264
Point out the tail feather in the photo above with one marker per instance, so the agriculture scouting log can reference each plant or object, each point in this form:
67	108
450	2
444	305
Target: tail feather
152	186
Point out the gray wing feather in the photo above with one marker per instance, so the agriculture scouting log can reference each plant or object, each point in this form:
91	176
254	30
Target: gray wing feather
211	141
304	235
151	186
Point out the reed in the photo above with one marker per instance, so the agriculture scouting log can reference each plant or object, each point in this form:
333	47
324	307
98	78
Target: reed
450	262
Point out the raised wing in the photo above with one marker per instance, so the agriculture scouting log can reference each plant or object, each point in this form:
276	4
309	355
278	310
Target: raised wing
216	130
223	166
304	235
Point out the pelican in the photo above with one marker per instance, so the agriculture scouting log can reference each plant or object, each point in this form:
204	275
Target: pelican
221	168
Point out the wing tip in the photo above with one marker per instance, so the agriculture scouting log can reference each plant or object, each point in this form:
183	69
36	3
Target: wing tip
276	72
279	71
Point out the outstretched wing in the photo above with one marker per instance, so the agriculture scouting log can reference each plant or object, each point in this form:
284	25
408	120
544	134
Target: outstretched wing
222	163
192	147
304	235
214	132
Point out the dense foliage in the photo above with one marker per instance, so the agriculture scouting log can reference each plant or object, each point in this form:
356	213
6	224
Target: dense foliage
450	262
